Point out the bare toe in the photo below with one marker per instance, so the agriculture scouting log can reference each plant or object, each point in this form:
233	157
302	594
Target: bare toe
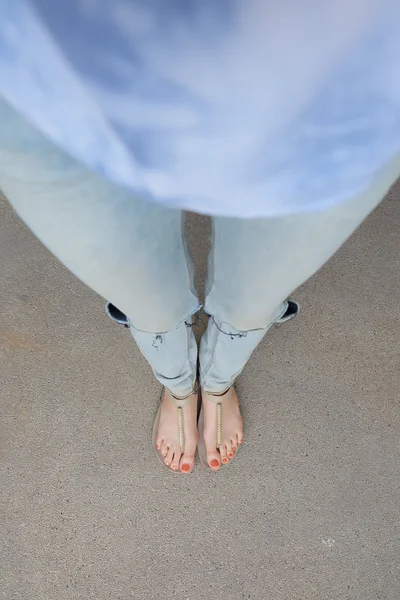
187	459
169	457
187	463
223	453
164	449
176	459
229	450
213	458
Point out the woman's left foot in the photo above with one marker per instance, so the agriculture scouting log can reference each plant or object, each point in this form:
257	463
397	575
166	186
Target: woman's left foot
231	433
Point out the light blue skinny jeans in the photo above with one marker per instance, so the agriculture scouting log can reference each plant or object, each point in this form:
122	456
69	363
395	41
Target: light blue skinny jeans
134	254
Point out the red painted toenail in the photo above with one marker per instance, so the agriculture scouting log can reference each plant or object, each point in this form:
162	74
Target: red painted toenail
214	463
224	460
230	454
185	468
234	448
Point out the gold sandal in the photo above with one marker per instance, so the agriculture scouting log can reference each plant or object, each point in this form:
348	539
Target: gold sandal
201	446
180	403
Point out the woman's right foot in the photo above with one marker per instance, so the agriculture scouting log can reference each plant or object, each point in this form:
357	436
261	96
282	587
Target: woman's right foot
232	427
167	439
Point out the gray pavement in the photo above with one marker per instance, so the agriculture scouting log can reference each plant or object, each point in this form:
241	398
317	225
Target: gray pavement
308	511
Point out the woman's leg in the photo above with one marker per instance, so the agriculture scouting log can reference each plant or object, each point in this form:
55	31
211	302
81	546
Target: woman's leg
128	250
254	266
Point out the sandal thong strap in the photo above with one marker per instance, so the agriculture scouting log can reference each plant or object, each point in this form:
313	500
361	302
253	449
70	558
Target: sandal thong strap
180	403
219	424
181	431
216	398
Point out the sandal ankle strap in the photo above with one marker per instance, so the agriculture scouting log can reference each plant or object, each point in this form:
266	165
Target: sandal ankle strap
184	400
216	395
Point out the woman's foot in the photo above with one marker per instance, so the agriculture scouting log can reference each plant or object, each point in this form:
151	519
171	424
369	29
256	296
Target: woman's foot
232	427
167	440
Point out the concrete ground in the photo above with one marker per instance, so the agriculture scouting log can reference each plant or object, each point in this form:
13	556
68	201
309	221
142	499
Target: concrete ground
308	511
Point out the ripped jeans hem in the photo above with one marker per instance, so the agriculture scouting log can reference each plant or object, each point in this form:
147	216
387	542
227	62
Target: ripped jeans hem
219	324
185	319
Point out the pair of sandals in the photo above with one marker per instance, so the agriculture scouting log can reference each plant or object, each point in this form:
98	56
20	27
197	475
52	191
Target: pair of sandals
201	447
292	309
